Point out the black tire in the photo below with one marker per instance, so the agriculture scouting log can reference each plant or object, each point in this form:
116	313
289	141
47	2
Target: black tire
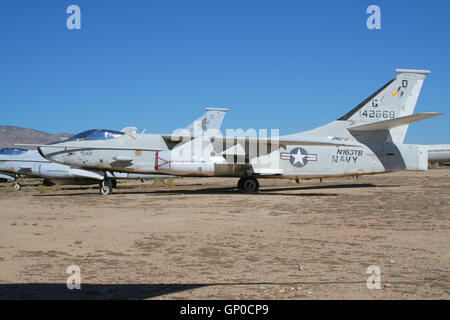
47	183
239	185
106	187
114	183
248	185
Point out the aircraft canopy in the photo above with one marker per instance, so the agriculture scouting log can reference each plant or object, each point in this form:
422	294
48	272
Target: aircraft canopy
12	151
96	134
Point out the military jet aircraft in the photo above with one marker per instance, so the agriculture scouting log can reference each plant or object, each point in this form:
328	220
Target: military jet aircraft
128	137
439	153
366	140
18	162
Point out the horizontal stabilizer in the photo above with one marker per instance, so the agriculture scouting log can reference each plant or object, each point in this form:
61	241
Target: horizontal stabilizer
392	123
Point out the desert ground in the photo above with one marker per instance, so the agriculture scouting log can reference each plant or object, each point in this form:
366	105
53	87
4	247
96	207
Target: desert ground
199	238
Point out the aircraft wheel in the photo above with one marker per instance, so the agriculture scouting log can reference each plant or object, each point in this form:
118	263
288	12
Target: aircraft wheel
17	186
114	183
47	183
106	187
248	185
239	185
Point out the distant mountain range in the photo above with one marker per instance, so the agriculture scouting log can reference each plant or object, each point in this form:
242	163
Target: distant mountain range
10	135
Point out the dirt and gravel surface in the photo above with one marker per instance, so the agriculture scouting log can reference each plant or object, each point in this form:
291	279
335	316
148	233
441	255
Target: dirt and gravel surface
199	238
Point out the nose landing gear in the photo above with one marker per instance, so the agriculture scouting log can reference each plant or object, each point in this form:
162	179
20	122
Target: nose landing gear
248	185
106	186
17	185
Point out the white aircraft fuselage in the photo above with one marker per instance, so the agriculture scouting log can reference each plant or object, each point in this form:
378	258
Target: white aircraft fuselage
367	140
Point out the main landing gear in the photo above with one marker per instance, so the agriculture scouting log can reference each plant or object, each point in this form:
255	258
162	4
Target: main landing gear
107	185
17	185
47	183
248	185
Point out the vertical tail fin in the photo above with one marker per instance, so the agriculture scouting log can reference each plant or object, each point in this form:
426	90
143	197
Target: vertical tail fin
212	119
395	99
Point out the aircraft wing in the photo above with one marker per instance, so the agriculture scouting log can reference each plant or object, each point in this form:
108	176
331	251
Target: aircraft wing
6	176
82	173
283	142
280	141
392	123
56	146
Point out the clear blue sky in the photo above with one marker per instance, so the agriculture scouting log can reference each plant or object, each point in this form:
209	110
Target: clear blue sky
291	65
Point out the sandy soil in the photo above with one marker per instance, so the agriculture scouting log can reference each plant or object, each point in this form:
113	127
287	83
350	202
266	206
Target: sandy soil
201	239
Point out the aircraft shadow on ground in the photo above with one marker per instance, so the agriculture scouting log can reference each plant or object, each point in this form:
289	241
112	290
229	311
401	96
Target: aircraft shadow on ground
274	191
54	291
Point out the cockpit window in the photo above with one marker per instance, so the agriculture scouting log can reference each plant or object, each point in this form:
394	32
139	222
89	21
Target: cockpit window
12	151
96	134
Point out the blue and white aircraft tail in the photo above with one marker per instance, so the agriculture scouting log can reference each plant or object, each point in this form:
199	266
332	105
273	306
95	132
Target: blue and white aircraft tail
395	100
390	108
